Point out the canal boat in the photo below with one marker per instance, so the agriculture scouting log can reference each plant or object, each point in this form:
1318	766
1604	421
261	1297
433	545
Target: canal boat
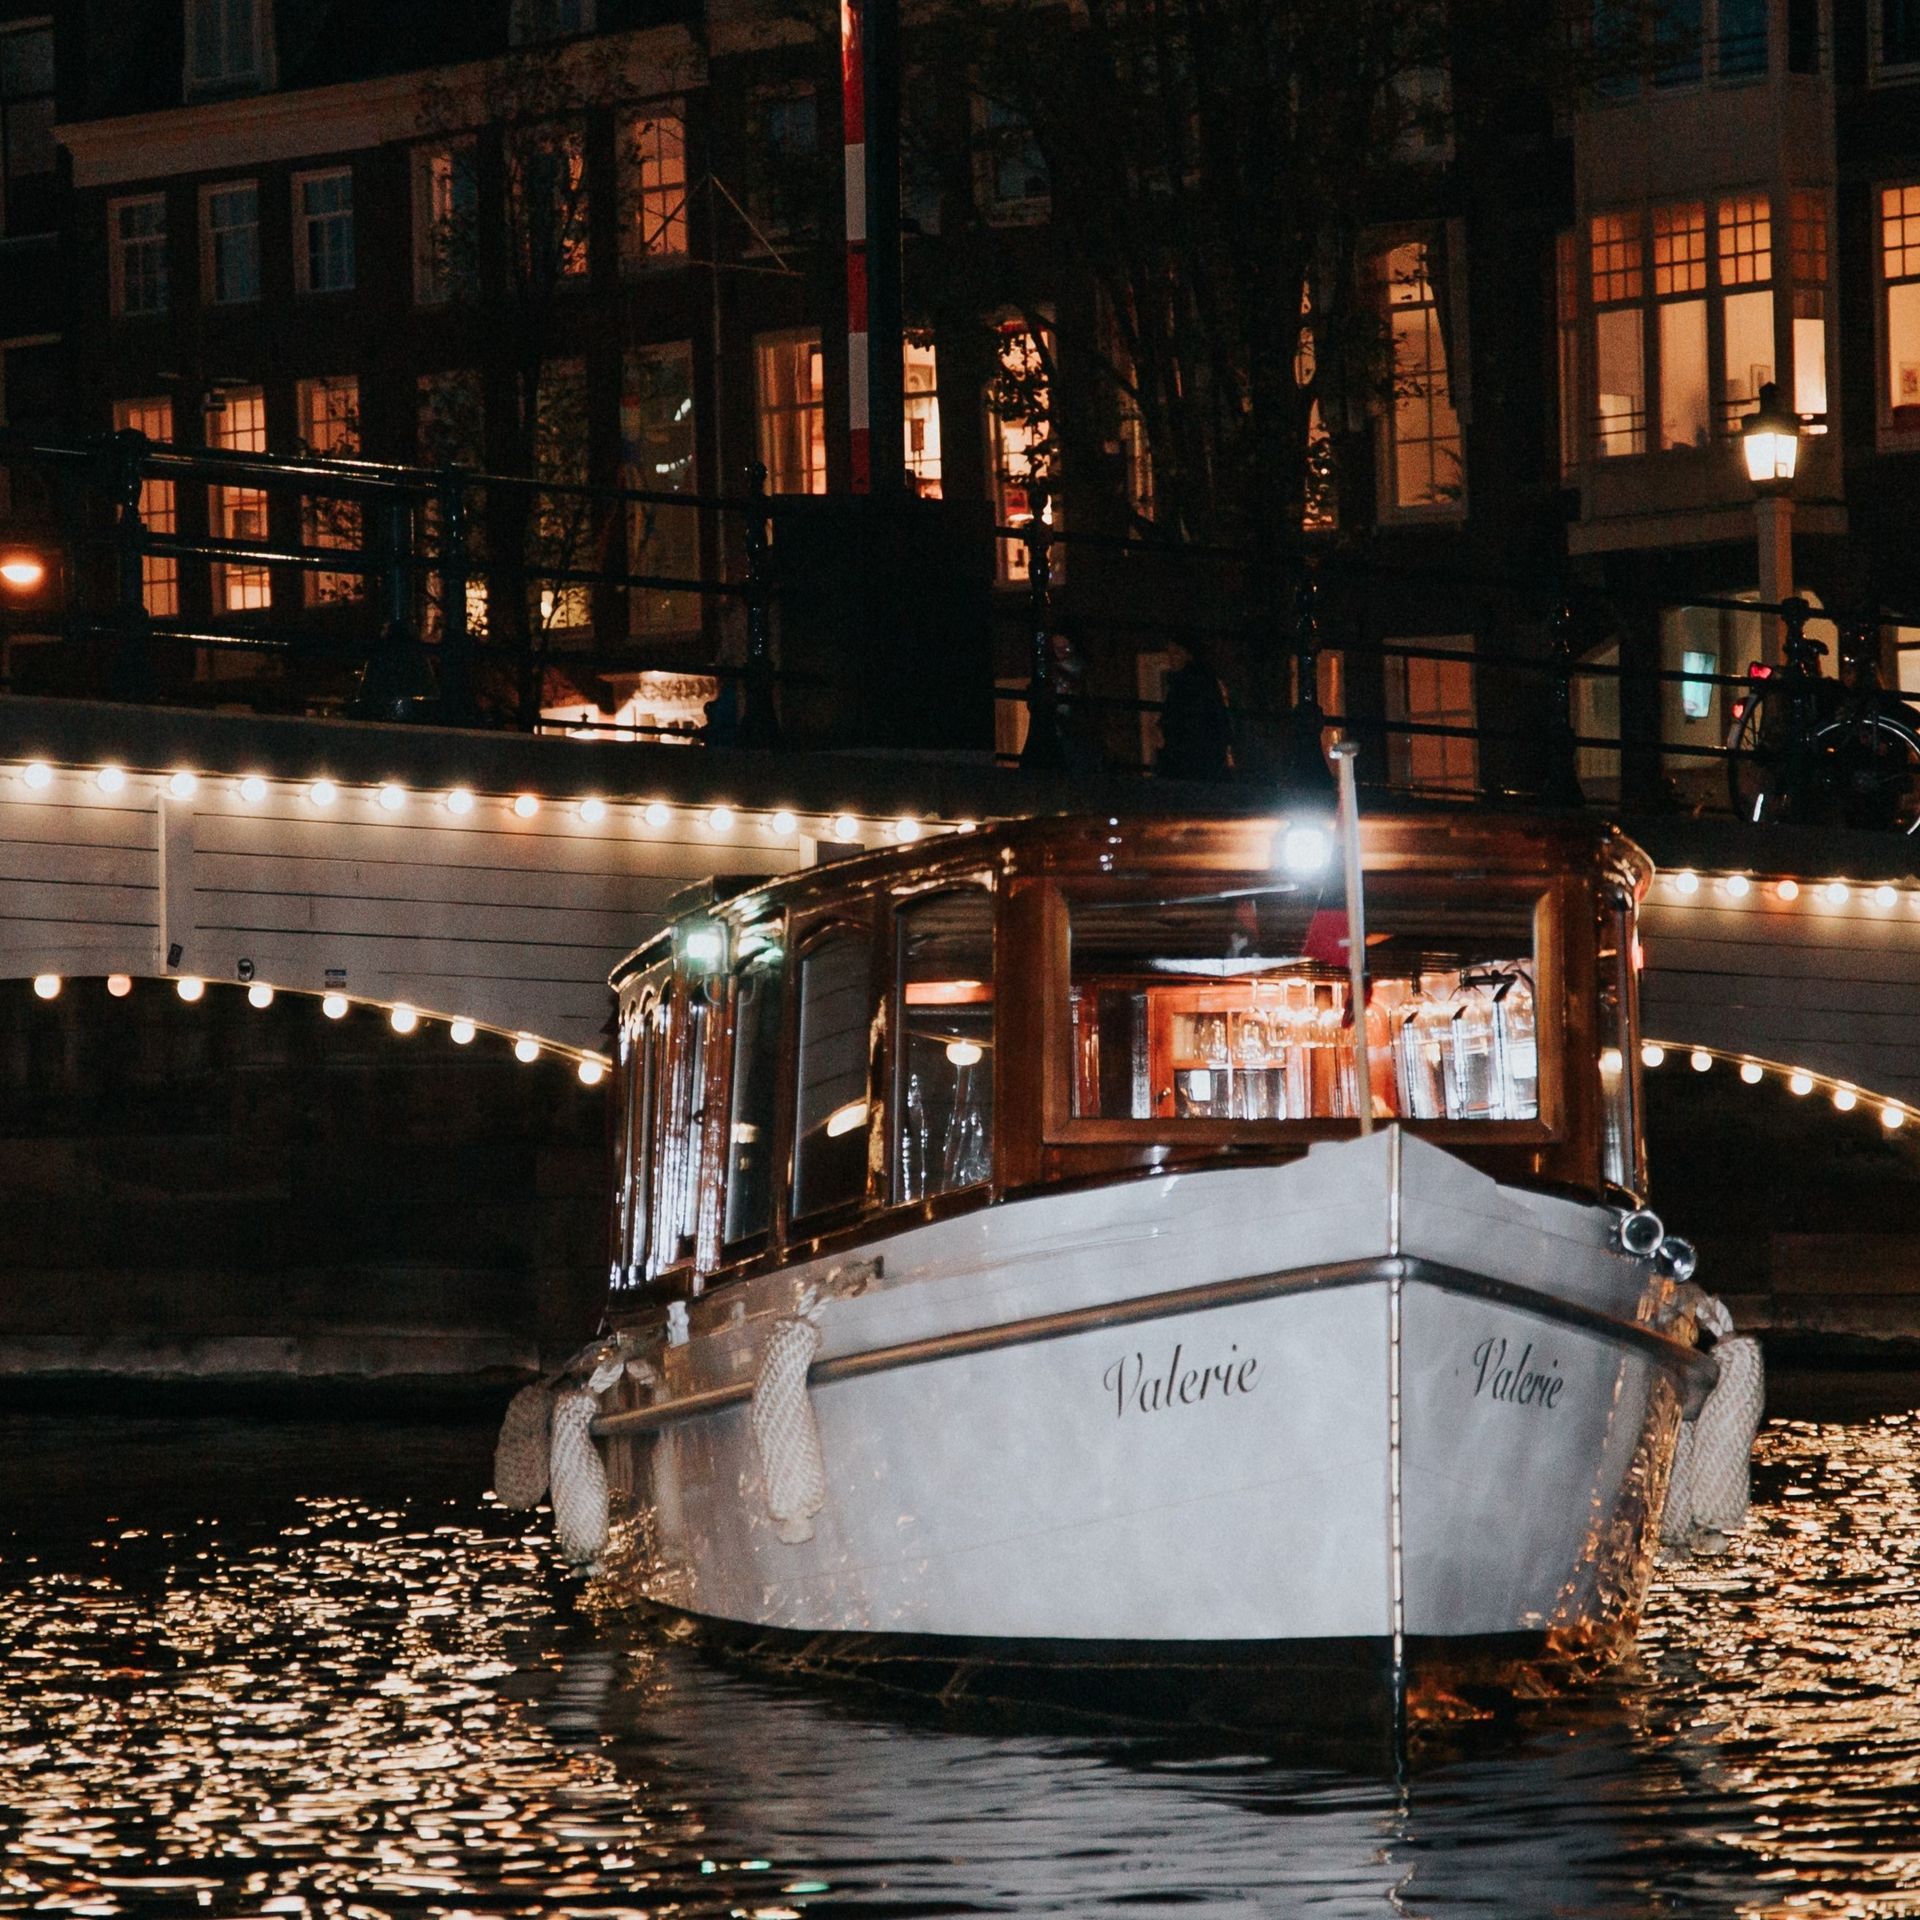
1036	1267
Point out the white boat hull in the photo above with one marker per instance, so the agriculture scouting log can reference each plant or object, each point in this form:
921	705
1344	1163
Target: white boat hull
1366	1399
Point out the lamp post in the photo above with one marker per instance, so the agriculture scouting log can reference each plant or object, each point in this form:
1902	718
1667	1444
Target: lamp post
1770	444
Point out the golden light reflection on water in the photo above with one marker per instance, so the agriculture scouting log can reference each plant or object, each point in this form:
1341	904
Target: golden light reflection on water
230	1687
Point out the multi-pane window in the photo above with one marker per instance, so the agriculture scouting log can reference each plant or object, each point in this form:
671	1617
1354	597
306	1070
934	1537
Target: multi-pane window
563	535
159	572
446	222
1746	303
783	194
330	425
1685	32
1421	693
920	381
547	204
1020	417
1807	266
832	1100
1680	307
237	423
230	243
1619	350
943	1048
654	190
28	164
793	427
657	451
226	44
451	423
755	1078
323	231
1900	274
137	254
1424	468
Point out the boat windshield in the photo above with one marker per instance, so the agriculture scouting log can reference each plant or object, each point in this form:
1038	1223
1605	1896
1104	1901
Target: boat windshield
1234	1004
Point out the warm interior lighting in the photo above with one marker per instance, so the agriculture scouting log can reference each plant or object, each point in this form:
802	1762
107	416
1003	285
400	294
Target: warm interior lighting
591	1073
1700	1060
23	571
964	1053
593	810
253	789
47	985
1770	441
1651	1055
334	1006
460	800
119	985
190	987
846	1119
525	805
184	785
1800	1083
393	797
948	993
259	994
721	819
402	1019
782	823
323	793
526	1049
110	779
38	775
1752	1072
461	1032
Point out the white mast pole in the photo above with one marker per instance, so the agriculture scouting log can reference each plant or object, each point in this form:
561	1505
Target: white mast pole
1343	752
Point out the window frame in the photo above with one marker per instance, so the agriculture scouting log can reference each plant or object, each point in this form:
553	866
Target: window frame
159	504
117	245
857	919
1391	510
439	281
674	249
1881	71
258	78
813	412
209	268
745	1246
9	103
1061	1127
303	225
1891	435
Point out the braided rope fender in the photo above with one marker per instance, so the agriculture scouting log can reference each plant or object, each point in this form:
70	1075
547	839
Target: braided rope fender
579	1478
1709	1488
520	1454
792	1471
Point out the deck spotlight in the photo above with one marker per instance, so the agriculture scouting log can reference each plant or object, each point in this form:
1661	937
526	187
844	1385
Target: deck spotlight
721	819
184	785
1752	1072
1736	886
402	1018
1788	890
334	1006
1845	1099
253	789
259	994
110	779
782	823
1686	882
906	829
1834	893
1886	896
1305	850
593	810
526	1049
1651	1055
845	826
592	1072
1893	1118
47	985
38	775
460	800
1800	1083
190	987
1700	1060
119	985
460	1032
393	796
526	805
658	813
323	793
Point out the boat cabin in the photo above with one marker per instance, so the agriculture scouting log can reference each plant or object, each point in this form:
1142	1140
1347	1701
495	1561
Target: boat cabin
831	1057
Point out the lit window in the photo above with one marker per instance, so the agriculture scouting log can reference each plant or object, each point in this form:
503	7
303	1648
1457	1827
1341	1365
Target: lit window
547	204
1696	690
29	164
446	224
1746	317
1807	259
534	20
943	1050
159	572
226	44
1423	693
921	397
793	426
1746	240
562	533
230	243
237	423
654	190
657	449
1423	469
330	426
832	1104
323	231
1019	411
1619	347
1680	268
452	433
137	238
1900	271
755	1083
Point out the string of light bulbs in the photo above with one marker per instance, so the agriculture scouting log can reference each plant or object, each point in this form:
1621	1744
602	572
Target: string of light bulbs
1800	1081
1686	886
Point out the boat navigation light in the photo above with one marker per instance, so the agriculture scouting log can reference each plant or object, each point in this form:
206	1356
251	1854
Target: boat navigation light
1641	1233
846	1119
1305	850
964	1053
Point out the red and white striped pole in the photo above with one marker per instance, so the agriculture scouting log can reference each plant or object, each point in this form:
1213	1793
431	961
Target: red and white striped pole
853	115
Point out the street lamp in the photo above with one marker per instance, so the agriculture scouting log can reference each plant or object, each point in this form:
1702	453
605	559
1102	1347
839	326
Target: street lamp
1770	444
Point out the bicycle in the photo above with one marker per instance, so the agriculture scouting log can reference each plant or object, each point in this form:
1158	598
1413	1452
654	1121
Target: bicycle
1806	750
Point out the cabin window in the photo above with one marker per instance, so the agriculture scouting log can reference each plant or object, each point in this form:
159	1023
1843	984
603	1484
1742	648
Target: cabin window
756	1060
1619	1081
1234	1004
682	1114
640	1061
943	1067
832	1102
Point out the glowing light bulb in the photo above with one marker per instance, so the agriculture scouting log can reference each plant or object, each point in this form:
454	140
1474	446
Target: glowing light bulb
259	994
1700	1060
966	826
843	1120
110	779
334	1006
906	829
1752	1072
184	785
22	570
964	1053
1686	882
460	800
1736	886
1611	1060
526	805
526	1049
253	789
119	985
782	823
657	814
38	775
47	985
190	987
1845	1099
1788	890
323	793
591	1073
1651	1055
402	1018
1800	1083
1305	851
1834	893
1885	896
721	819
593	811
1893	1117
460	1032
845	826
393	797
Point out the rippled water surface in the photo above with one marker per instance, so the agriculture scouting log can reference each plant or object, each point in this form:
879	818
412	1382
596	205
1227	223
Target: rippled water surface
312	1670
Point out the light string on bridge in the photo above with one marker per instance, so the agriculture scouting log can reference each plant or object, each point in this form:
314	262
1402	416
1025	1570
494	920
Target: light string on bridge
1687	887
1801	1081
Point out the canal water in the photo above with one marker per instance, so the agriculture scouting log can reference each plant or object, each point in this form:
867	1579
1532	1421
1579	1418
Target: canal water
312	1670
